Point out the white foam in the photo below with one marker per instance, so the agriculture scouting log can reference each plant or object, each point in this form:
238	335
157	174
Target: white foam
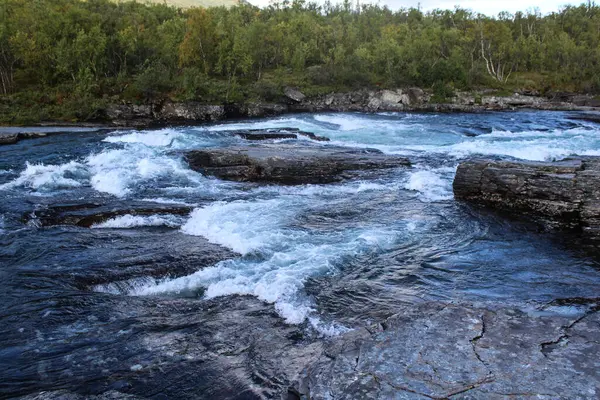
131	221
119	172
345	122
158	138
278	279
49	177
278	259
243	226
262	124
431	184
162	200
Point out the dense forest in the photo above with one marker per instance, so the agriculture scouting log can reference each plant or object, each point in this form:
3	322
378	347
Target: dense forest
66	59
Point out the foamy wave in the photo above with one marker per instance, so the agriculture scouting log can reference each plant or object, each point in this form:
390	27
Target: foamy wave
159	138
534	150
131	221
432	185
278	279
345	122
118	172
279	257
49	177
243	226
262	124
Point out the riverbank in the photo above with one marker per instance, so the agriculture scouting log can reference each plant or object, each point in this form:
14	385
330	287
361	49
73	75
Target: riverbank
367	101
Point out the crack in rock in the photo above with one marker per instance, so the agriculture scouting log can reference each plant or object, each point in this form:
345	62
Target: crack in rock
474	345
563	340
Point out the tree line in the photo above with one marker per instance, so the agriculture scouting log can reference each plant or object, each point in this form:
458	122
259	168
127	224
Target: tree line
66	58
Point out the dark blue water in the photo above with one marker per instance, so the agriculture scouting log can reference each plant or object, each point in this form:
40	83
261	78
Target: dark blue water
110	307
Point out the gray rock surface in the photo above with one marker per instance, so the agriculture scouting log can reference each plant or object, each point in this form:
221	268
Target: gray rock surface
563	194
455	351
87	214
294	94
276	133
288	164
293	100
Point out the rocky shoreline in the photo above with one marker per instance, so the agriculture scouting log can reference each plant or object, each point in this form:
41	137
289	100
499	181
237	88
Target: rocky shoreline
368	101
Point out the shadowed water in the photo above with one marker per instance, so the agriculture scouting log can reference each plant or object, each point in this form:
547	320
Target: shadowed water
137	302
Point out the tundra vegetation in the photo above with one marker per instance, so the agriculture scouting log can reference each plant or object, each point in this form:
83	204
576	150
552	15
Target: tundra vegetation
67	59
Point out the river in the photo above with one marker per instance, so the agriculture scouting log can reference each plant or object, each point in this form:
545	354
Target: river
165	305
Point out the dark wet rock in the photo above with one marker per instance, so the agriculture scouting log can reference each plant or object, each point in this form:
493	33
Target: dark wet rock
88	214
440	351
12	138
563	194
276	133
66	395
157	347
294	94
587	117
9	138
288	164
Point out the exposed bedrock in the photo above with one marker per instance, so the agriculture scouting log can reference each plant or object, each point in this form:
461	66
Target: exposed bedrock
456	351
276	133
289	164
563	194
88	214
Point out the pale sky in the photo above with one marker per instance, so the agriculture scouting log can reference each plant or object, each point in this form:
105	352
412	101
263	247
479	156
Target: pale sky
485	7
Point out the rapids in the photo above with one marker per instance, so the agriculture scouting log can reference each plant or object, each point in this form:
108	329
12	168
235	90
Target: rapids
323	259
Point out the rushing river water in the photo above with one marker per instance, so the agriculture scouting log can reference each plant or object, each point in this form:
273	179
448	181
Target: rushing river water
80	305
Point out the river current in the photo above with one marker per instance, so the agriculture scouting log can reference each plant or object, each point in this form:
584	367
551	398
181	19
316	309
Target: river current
322	259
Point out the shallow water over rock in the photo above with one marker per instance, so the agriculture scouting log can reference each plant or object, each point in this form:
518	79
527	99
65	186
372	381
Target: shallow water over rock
187	286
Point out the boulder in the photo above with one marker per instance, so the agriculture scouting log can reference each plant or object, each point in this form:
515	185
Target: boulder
288	164
294	94
191	111
9	138
562	194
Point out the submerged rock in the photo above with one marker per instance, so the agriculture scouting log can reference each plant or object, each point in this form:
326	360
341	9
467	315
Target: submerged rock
563	194
276	133
89	214
441	351
288	164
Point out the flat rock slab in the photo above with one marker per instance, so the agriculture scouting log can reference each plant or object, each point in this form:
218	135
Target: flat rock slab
276	133
289	164
563	194
88	214
454	351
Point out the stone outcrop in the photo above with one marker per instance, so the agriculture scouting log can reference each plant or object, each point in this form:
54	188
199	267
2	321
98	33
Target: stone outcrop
294	94
563	194
293	100
87	214
459	351
276	133
288	164
15	137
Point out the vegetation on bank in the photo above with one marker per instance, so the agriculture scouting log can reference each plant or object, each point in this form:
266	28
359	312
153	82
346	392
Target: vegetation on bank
67	59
